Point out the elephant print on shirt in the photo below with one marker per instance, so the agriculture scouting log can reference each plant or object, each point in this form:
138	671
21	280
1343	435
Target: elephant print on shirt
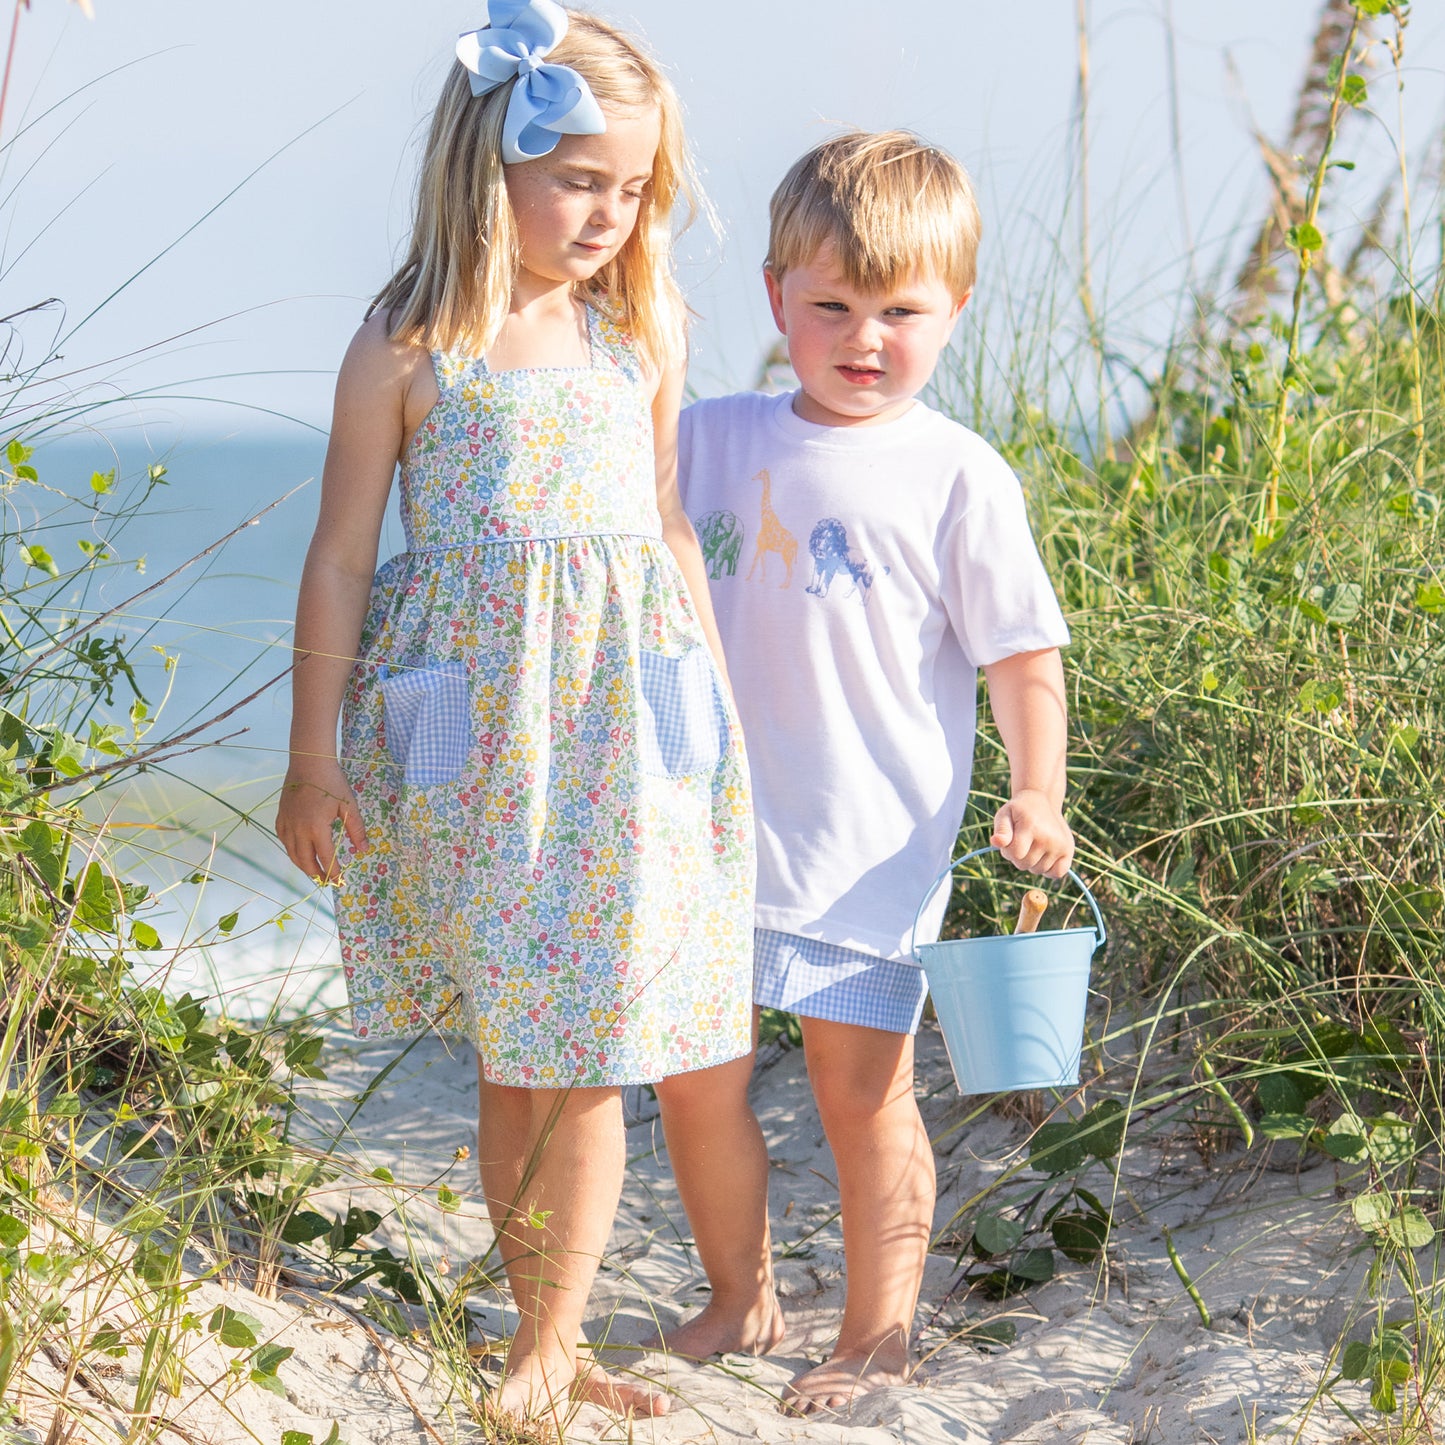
720	535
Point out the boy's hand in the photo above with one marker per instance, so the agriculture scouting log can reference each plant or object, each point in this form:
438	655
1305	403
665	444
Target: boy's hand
312	799
1031	833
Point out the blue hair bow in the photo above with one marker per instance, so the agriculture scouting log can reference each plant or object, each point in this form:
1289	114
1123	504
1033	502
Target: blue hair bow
548	101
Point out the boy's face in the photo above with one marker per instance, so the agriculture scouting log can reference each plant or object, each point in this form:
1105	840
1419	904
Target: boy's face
860	356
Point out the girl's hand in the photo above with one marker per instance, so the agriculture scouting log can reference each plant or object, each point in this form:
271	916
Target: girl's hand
313	798
1029	830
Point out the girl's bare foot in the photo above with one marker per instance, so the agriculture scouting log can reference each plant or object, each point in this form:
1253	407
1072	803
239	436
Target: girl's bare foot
532	1394
836	1385
621	1395
528	1391
505	1428
720	1329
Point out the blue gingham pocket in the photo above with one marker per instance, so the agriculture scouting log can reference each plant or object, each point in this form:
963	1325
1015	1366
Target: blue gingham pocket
427	714
681	727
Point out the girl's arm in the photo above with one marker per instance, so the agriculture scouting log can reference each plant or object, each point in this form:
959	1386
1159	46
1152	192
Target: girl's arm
1026	698
676	529
368	425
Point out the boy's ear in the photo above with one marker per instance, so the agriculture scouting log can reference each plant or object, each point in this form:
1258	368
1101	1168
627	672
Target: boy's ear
959	302
775	298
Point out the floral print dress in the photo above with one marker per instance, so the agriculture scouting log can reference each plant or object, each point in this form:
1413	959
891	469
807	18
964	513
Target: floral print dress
548	767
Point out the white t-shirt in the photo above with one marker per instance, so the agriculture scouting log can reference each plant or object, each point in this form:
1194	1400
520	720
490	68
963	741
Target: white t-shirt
860	576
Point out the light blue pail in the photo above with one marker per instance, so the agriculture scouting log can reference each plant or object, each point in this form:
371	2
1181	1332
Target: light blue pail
1011	1006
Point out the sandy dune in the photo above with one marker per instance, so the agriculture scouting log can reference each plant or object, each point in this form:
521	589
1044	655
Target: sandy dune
1108	1356
1116	1355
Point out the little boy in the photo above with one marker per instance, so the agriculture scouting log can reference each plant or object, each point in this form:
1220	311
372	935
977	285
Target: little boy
866	556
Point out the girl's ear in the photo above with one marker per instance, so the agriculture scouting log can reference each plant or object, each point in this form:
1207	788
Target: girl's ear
775	298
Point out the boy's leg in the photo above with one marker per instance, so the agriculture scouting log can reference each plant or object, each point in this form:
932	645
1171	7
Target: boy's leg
720	1160
863	1081
553	1156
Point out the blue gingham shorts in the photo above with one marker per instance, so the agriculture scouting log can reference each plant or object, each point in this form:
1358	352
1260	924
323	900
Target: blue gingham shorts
822	981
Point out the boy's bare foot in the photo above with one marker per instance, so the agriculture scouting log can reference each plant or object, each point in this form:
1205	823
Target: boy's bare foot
720	1330
835	1385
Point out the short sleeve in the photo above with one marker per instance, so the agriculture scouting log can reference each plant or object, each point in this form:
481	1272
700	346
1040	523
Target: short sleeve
995	590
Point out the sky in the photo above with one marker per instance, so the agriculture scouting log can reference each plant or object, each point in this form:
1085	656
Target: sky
254	163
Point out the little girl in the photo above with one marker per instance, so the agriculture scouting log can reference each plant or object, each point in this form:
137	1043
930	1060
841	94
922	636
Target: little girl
540	803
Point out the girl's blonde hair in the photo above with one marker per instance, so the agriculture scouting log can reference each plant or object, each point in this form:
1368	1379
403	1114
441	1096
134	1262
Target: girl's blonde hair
453	290
889	204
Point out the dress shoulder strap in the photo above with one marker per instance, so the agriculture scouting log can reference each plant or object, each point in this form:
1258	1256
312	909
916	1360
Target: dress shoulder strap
612	346
453	368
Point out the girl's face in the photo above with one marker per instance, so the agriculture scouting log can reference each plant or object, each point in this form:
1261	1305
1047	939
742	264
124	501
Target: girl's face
577	205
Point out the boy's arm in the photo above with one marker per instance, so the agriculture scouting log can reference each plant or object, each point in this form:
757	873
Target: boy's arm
1026	698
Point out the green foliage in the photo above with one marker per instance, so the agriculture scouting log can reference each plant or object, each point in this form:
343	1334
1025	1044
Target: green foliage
776	1026
302	1437
1386	1361
105	1075
1064	1146
231	1327
1257	778
1251	571
1255	709
264	1362
1013	1241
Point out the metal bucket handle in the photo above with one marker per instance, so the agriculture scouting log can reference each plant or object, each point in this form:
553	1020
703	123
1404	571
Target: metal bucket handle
978	853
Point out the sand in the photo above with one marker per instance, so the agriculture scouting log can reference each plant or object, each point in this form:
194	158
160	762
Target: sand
1103	1354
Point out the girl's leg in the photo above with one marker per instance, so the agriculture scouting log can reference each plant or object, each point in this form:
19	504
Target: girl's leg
720	1160
863	1081
551	1163
504	1119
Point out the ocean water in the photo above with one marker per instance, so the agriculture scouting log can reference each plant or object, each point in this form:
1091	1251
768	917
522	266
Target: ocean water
237	921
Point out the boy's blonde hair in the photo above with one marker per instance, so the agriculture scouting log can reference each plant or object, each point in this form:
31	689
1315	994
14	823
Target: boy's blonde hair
453	290
890	205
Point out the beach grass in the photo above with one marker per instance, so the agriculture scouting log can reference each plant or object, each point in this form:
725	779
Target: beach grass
1252	572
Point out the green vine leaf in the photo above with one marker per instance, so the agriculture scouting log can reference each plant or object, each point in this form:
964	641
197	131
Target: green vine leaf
1056	1148
993	1234
231	1327
34	555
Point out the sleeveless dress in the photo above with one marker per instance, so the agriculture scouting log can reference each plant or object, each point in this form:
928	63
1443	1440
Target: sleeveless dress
548	767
